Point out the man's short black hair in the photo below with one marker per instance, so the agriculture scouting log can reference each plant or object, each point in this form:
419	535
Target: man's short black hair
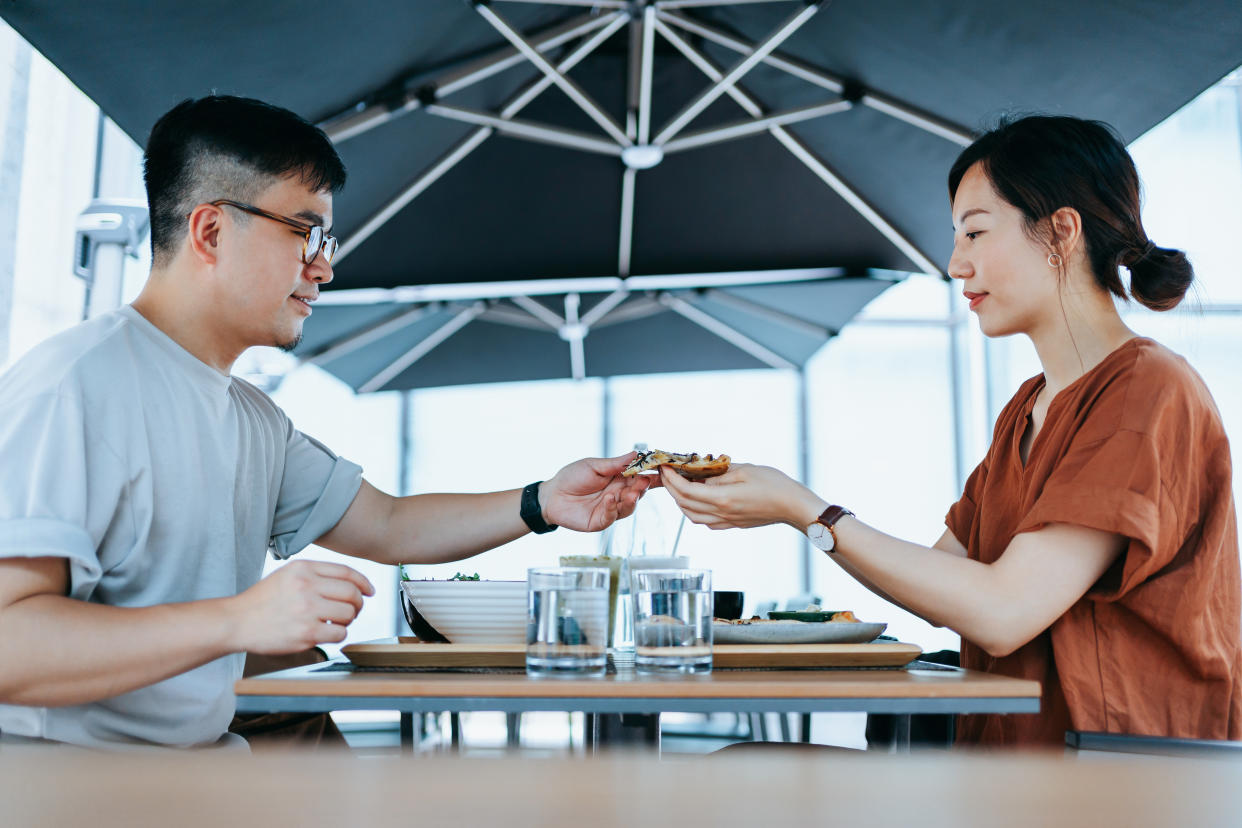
222	146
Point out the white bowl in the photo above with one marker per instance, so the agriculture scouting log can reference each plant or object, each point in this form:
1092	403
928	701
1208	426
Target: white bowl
472	612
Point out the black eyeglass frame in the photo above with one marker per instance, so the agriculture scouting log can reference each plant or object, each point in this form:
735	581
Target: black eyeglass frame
314	238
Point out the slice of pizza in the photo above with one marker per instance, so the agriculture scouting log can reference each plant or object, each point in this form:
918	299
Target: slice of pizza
690	466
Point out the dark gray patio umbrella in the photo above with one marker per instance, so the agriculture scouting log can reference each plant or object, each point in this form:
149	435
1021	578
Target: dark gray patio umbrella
607	327
683	136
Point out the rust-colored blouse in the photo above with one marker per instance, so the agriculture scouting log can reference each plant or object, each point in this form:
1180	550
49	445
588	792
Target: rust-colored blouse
1135	446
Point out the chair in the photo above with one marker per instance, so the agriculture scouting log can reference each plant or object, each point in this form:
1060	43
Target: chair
1152	745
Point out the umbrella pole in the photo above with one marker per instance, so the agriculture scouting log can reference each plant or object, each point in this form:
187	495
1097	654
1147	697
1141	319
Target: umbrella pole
405	441
804	467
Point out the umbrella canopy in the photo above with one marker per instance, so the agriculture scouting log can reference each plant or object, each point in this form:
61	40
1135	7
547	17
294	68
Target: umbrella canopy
643	325
901	85
496	146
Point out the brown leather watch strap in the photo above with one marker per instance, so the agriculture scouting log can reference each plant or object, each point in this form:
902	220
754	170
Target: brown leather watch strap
829	518
831	515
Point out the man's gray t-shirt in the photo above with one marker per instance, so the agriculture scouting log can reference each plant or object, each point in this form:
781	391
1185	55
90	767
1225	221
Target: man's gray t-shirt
161	481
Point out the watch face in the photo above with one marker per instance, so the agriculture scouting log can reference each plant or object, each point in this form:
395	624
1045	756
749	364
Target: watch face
821	538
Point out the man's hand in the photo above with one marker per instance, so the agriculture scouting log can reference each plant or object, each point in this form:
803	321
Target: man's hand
302	604
589	495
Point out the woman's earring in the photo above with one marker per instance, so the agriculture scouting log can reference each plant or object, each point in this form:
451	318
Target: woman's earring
1054	260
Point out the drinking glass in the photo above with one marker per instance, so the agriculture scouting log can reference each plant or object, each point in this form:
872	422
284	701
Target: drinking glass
672	620
614	566
567	621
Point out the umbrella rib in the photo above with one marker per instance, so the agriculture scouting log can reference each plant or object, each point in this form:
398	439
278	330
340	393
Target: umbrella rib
469	291
641	308
531	131
728	334
817	166
690	281
707	67
571	60
601	4
875	99
539	311
855	200
771	314
689	4
601	308
782	33
425	179
575	93
741	129
511	316
366	116
472	141
423	348
352	342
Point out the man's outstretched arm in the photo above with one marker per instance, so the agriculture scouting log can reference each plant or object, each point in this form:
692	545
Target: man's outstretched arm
585	496
56	650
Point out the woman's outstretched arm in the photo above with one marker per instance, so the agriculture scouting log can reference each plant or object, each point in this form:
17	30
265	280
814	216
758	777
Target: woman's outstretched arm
998	606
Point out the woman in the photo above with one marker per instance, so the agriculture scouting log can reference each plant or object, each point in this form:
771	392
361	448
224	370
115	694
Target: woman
1095	548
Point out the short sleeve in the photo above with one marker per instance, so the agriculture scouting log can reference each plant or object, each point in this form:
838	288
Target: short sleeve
961	514
61	489
1114	485
316	489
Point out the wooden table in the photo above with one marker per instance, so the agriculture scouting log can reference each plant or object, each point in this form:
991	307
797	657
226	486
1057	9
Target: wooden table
942	790
319	688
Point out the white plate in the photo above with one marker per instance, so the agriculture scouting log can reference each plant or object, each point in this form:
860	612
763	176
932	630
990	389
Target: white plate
797	632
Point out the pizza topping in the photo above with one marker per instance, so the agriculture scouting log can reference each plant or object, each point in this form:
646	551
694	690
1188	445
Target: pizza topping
837	617
691	466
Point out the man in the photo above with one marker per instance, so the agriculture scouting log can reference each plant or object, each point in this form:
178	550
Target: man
142	482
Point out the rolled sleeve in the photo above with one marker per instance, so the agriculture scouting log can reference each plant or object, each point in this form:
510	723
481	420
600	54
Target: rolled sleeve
45	538
1113	485
316	490
61	489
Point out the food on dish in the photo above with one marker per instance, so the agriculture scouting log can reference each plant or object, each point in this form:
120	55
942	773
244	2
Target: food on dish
844	616
691	466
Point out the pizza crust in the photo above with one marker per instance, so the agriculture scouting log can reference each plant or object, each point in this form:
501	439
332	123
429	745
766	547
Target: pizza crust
690	466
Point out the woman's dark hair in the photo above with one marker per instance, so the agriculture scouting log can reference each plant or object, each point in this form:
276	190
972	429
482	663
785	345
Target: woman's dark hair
1042	163
226	147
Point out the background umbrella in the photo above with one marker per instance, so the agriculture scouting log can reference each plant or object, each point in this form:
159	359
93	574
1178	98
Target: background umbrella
682	136
643	325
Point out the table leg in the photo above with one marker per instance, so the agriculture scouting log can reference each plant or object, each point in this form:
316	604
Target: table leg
455	732
758	727
610	730
901	733
407	732
513	730
590	730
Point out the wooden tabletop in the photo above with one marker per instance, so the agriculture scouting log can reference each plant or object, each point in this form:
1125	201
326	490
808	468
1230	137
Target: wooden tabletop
922	690
945	790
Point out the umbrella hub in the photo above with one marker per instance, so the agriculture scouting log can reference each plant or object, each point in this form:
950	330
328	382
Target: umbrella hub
642	156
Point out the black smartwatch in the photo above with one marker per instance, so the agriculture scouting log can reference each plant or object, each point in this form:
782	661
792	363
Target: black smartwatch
531	513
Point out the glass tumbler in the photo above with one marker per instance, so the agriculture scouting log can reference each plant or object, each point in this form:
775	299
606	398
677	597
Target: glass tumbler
566	621
672	620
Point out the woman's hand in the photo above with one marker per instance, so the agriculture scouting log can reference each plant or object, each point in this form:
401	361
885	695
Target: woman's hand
744	497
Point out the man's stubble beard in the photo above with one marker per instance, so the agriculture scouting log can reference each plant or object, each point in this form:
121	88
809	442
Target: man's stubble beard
289	345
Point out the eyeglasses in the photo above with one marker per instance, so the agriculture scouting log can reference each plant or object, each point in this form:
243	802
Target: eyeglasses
315	240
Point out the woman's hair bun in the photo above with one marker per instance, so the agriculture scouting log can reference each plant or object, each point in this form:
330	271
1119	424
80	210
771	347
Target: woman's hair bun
1159	276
